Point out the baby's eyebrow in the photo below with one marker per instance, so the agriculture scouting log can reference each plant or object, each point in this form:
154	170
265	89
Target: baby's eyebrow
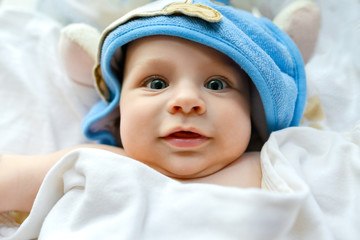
150	65
153	62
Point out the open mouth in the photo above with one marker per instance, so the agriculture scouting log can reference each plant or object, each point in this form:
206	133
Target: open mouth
186	139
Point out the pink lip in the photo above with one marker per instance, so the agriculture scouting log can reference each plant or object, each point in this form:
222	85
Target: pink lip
185	138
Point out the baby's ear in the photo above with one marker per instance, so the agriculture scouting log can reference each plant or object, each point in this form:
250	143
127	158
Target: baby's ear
301	20
78	46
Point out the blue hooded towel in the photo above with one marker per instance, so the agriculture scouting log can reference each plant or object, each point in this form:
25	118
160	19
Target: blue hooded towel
259	47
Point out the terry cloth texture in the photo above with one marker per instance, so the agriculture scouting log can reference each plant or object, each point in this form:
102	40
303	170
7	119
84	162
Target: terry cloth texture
266	54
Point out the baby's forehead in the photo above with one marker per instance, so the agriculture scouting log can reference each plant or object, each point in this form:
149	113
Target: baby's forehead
162	46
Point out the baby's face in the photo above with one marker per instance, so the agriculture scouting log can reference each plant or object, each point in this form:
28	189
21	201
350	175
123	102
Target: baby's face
184	107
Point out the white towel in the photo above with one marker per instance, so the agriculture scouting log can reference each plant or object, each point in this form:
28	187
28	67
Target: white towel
311	190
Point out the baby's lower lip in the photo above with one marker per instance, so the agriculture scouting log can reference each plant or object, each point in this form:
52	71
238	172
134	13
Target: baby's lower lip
183	140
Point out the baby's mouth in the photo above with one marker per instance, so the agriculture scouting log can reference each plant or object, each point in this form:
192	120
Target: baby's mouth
185	139
185	135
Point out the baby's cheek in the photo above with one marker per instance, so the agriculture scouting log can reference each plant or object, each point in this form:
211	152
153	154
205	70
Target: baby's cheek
237	127
124	133
127	127
134	129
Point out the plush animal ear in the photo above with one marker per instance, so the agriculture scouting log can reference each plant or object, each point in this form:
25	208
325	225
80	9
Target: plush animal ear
78	45
301	20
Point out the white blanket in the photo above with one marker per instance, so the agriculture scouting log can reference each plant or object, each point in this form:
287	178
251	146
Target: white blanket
311	190
41	109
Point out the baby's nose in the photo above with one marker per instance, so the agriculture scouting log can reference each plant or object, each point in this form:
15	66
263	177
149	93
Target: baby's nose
187	101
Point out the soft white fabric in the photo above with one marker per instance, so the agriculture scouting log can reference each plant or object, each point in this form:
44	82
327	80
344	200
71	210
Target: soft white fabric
41	109
311	190
334	71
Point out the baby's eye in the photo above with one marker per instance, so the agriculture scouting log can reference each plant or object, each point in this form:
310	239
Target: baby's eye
156	82
216	84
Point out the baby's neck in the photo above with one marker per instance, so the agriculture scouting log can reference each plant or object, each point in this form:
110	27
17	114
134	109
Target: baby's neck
245	172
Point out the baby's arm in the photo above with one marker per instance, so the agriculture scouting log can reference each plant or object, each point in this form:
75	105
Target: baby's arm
21	176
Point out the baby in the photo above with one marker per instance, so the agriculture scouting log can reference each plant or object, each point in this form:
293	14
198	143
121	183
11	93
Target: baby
181	104
191	82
